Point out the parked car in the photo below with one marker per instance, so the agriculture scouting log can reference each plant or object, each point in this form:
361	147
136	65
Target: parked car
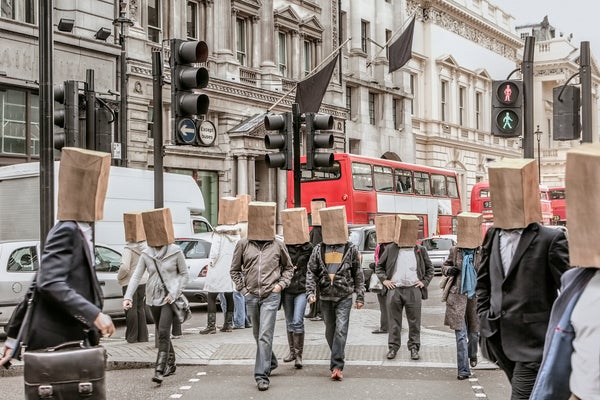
438	248
196	252
19	260
364	237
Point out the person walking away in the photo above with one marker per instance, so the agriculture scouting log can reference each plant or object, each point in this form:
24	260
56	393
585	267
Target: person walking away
335	269
570	367
167	274
297	241
460	268
136	329
384	229
316	237
405	270
218	280
519	276
261	268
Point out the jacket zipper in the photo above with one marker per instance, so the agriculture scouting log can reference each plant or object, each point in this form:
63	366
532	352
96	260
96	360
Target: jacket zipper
260	252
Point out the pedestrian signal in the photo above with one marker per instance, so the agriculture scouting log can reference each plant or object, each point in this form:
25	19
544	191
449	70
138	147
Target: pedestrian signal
507	108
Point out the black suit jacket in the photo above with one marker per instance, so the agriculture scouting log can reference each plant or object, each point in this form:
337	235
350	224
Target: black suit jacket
69	297
518	305
386	266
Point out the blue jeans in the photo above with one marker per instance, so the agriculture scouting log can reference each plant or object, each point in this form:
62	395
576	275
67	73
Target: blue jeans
294	306
263	313
336	316
239	308
466	348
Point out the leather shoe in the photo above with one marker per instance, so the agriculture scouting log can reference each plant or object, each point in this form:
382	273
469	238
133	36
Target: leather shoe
473	362
378	331
414	354
462	377
262	386
391	354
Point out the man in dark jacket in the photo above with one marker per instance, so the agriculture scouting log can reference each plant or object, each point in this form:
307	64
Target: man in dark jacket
405	270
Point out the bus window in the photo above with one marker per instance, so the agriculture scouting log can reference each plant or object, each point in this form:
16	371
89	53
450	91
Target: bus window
438	183
452	187
557	194
404	181
362	178
384	180
321	173
422	185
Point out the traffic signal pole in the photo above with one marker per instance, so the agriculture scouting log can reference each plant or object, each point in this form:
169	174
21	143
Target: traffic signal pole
527	72
296	154
157	128
585	76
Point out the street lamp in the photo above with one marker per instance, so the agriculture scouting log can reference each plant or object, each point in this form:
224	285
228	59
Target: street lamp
538	135
122	133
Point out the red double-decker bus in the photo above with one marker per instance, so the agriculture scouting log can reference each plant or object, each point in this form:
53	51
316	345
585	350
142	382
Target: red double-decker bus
481	202
559	206
370	186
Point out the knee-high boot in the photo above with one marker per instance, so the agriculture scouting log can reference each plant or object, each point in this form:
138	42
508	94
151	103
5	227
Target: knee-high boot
161	362
210	327
292	354
299	348
228	324
171	366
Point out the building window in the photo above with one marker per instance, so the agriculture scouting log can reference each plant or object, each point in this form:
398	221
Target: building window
388	36
412	89
154	20
309	56
151	122
283	69
241	40
364	35
372	104
19	10
444	101
398	113
192	20
349	100
478	98
19	122
461	105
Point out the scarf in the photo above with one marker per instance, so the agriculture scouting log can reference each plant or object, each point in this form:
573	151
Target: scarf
469	276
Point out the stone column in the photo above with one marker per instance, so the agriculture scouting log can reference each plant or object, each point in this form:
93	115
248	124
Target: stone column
242	175
222	9
251	178
256	42
267	46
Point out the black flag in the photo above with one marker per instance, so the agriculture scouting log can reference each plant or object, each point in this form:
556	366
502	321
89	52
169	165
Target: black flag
401	50
310	92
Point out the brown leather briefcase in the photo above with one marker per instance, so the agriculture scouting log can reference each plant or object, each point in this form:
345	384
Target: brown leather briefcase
65	372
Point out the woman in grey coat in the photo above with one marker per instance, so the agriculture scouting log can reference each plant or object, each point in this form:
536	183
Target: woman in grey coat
171	262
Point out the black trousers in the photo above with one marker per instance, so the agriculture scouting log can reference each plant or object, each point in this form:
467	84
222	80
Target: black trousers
212	301
163	320
136	328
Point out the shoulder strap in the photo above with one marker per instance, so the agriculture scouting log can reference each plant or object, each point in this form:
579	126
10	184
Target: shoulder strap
160	275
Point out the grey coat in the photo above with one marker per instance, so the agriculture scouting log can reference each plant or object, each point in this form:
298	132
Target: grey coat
458	307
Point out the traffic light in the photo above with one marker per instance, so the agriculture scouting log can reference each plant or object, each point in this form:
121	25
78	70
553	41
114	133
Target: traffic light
565	113
282	140
184	78
316	140
67	118
507	101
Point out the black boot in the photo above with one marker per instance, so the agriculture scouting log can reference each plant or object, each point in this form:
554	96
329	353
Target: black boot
171	367
299	348
210	327
292	354
161	362
228	324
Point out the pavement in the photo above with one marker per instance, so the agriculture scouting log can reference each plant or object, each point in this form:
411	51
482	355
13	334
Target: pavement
438	348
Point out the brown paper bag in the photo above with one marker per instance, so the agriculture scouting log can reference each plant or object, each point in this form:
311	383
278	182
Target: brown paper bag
315	206
407	230
244	201
158	225
334	225
295	226
229	210
468	233
583	215
134	227
515	193
385	228
261	220
82	184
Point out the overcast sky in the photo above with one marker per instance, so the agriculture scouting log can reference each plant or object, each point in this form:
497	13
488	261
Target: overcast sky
579	17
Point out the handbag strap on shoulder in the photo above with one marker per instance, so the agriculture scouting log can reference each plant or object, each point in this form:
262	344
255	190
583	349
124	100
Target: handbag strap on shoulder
160	275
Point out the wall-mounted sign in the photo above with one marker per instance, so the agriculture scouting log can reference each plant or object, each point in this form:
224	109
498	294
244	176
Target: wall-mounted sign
207	133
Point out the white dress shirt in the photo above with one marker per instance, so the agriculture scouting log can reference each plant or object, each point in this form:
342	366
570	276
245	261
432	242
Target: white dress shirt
509	240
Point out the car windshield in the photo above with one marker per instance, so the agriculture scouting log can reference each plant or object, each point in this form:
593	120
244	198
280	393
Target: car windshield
355	237
437	244
194	248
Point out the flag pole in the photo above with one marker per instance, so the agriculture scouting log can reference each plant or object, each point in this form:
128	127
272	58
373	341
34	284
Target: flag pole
310	74
391	38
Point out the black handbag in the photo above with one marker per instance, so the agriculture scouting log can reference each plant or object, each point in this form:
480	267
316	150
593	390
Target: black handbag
67	371
180	306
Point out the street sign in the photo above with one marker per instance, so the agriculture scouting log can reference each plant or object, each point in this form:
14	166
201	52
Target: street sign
207	133
116	150
186	129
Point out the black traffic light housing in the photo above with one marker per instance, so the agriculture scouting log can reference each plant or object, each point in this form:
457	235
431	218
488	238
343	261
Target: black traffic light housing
565	112
185	77
282	140
507	110
316	140
67	119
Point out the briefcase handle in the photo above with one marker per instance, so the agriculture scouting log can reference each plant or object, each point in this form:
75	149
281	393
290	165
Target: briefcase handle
67	345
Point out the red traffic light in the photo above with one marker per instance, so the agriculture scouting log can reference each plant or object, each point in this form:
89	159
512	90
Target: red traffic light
508	93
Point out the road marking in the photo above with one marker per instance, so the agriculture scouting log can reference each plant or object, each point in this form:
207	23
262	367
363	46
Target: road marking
176	396
201	373
194	380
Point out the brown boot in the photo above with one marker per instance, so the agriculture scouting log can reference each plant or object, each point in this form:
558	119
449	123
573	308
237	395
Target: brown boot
299	348
211	325
292	354
228	324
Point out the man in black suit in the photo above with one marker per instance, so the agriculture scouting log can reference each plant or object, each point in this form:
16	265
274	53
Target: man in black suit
68	305
519	276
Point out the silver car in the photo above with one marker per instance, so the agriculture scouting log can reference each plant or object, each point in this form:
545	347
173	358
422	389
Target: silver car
196	252
438	249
